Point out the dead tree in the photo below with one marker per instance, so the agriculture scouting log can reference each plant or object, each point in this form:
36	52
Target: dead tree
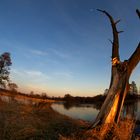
138	12
120	74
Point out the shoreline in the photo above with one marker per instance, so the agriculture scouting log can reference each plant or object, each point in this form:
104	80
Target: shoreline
38	120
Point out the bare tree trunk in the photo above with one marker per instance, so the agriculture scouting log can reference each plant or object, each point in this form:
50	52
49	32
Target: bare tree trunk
119	85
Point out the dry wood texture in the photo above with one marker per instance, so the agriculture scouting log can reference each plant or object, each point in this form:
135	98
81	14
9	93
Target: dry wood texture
119	85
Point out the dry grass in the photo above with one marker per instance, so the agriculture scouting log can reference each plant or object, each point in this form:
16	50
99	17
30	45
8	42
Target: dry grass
22	97
39	122
122	131
34	122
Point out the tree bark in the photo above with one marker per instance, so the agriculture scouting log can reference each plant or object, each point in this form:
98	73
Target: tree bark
138	12
119	85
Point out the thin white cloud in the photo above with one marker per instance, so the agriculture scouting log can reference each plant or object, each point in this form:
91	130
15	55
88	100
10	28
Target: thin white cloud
59	53
28	74
64	74
17	72
30	79
38	52
34	73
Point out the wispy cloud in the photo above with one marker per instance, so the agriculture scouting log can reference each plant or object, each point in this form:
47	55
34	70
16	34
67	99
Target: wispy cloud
34	73
59	53
28	80
38	52
31	75
64	74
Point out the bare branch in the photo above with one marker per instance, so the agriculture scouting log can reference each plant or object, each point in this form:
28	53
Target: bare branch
134	59
138	12
110	41
115	45
117	21
120	32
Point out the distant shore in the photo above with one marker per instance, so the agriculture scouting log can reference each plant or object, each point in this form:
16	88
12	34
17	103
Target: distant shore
38	120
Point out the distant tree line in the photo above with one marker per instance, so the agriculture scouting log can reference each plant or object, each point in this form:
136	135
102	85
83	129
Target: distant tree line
133	90
78	99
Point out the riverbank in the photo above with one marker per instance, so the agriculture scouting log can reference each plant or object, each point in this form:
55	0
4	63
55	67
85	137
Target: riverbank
5	95
35	121
39	121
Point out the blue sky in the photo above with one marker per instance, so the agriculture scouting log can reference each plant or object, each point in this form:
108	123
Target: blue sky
61	46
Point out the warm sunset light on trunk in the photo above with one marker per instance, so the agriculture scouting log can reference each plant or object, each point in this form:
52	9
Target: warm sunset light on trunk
56	60
119	85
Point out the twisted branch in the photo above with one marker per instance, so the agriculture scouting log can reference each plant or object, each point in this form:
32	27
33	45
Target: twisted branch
115	44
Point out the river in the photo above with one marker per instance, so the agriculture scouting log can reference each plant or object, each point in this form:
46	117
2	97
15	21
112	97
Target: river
89	112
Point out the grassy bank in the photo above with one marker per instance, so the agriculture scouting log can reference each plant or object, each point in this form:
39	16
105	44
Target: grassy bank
34	121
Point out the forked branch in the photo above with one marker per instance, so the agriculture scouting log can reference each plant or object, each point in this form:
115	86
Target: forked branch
134	59
115	44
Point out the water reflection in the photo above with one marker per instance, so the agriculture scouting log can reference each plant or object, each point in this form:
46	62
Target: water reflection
86	112
130	110
89	112
68	105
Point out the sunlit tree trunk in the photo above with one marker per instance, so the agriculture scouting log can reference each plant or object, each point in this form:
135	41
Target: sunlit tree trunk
119	85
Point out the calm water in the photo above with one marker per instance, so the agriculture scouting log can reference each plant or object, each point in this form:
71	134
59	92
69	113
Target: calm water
89	112
81	111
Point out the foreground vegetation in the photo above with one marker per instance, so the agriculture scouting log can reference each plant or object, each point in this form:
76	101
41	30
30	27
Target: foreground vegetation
34	121
38	121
